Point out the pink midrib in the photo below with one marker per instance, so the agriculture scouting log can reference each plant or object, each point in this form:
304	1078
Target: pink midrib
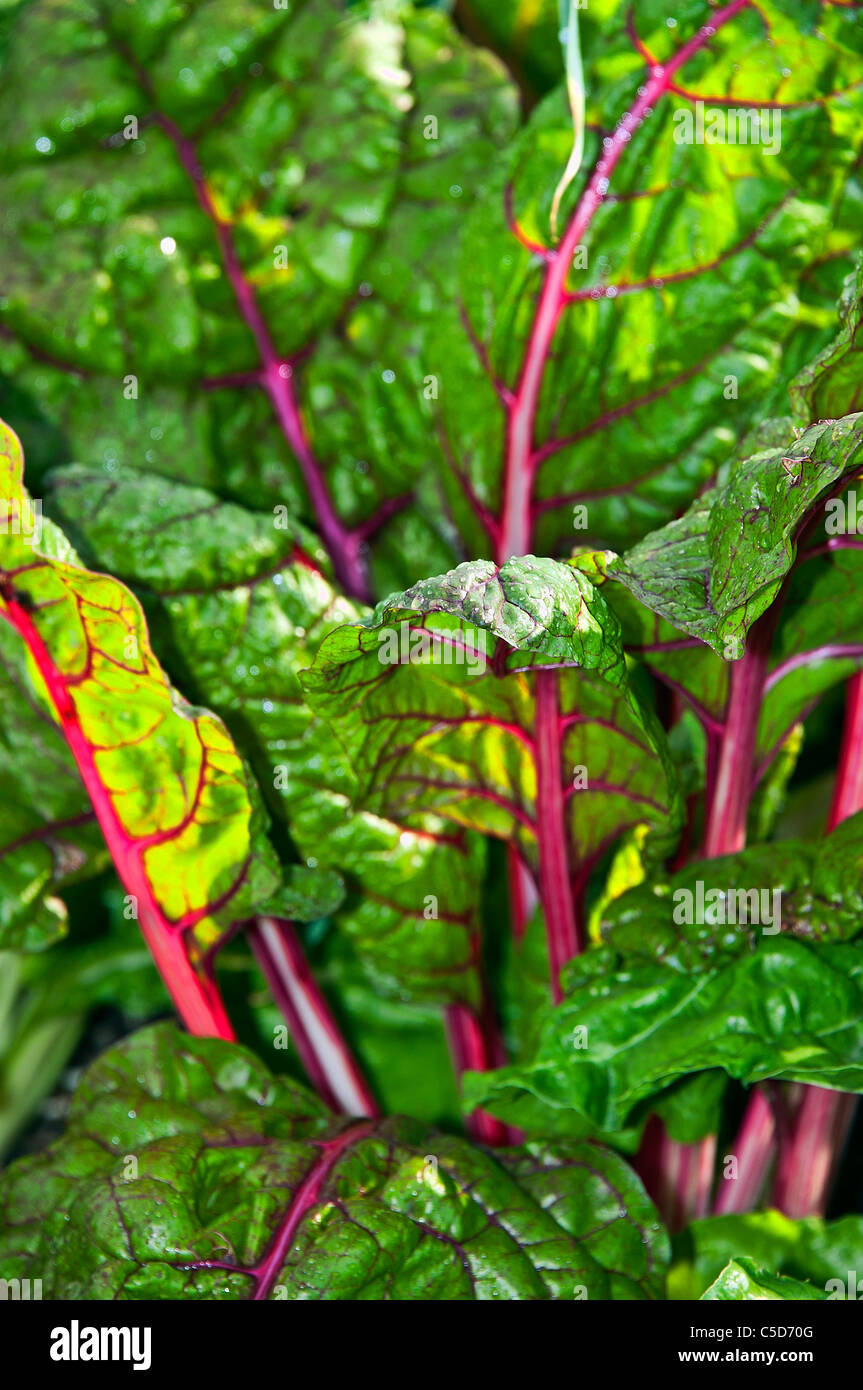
552	839
276	377
516	522
196	998
303	1200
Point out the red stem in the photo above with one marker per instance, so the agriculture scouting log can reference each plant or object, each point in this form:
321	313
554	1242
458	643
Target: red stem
752	1149
726	821
808	1164
193	992
684	1187
522	891
325	1055
554	873
679	1177
521	460
475	1046
848	790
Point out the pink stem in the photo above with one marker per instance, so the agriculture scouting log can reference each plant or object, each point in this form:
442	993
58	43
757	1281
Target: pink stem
726	821
808	1164
752	1149
325	1055
344	546
194	992
554	873
475	1046
522	891
679	1177
731	781
848	791
521	462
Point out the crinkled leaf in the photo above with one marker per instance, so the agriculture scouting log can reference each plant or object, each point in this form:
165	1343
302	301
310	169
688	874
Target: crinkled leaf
832	384
244	1187
298	135
742	1280
453	727
237	605
811	1249
716	569
819	883
693	301
176	807
782	1009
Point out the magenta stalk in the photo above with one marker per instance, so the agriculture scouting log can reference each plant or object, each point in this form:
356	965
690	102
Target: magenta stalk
326	1057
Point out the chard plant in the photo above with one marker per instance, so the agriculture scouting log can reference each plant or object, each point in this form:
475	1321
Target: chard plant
430	607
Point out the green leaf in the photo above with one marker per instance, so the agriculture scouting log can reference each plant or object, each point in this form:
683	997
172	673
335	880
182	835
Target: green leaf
175	805
48	835
237	604
820	899
434	700
188	1170
833	384
291	363
605	379
623	1033
742	1280
716	569
811	1249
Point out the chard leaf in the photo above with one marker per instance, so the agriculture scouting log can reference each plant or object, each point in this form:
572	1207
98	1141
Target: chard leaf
441	699
716	569
249	223
237	605
782	1009
819	883
176	808
743	1280
832	384
188	1170
48	835
810	1248
592	386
